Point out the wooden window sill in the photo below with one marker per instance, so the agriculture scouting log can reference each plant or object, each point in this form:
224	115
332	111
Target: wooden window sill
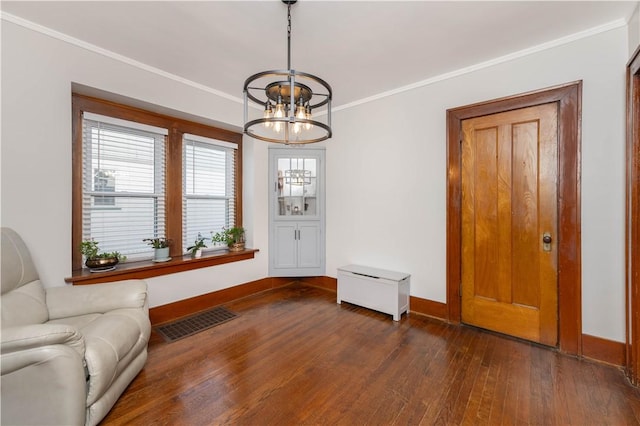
147	268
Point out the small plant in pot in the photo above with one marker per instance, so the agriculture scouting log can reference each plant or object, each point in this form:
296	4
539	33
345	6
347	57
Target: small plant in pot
232	237
196	248
97	261
160	248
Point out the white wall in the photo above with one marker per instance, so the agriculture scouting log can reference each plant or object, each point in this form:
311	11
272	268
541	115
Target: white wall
37	73
634	30
386	185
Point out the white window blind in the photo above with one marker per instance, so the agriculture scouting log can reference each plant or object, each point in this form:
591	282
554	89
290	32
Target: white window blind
208	187
123	184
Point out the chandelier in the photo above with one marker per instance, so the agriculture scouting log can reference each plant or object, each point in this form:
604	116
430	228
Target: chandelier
285	118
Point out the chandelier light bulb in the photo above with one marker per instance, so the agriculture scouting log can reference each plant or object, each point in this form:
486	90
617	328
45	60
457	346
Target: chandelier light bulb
279	113
268	113
308	116
300	110
300	113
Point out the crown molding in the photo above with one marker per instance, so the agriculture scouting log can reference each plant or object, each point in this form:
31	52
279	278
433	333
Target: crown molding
432	80
490	63
121	58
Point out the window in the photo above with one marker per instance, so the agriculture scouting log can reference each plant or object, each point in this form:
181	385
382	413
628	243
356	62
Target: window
139	174
209	187
123	186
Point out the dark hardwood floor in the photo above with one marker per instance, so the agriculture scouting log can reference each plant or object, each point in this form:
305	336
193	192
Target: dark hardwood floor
295	357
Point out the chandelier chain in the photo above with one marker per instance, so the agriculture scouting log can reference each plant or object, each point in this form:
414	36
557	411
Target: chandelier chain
289	36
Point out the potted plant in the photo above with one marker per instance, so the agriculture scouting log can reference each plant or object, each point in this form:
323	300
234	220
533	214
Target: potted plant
196	248
96	261
160	248
232	237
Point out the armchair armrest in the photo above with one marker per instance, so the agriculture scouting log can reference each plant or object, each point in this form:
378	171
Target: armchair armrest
43	385
72	301
20	338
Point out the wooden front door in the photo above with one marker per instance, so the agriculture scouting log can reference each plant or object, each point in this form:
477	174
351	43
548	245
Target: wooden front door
509	223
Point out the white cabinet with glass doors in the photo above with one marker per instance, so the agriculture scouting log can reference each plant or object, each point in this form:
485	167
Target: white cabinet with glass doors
296	212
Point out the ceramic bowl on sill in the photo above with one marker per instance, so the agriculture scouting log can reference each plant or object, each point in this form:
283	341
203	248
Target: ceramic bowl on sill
101	263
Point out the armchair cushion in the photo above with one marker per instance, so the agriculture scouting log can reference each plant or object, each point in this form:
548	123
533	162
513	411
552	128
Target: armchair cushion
23	296
71	301
23	337
24	305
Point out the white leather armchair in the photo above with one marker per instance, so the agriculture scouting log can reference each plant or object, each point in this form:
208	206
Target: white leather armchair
68	352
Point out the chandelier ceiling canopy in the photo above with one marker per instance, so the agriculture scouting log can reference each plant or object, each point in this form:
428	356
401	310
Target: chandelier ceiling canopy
286	119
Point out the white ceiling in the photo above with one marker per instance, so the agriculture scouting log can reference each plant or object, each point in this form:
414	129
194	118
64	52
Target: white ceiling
361	48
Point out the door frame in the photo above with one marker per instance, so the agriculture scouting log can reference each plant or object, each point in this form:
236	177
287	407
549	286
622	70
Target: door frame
569	100
632	228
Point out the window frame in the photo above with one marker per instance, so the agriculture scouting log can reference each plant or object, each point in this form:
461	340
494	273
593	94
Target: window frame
177	127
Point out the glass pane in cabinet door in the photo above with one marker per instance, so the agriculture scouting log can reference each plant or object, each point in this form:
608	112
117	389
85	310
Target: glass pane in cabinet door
297	187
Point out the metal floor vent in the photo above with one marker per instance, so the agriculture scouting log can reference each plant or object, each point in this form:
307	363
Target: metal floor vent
194	324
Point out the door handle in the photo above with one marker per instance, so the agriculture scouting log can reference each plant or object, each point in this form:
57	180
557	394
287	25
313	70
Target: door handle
546	241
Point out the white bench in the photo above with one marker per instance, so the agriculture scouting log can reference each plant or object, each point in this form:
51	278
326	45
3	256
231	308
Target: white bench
377	289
